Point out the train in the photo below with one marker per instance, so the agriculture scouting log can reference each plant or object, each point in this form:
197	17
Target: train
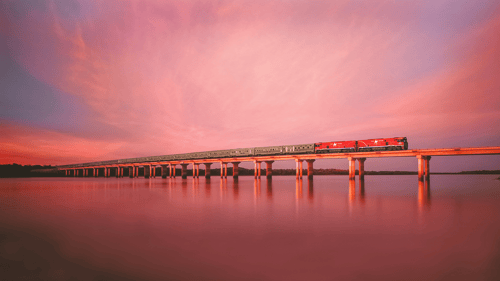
396	143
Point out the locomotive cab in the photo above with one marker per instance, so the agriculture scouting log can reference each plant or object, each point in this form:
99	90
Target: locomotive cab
404	142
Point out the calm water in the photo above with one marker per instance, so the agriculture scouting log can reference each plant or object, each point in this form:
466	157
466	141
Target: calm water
387	228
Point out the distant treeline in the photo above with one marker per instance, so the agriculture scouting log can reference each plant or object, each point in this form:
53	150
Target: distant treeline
24	171
20	171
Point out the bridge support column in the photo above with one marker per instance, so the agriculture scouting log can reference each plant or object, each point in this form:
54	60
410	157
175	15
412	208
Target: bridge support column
235	169
310	168
131	172
163	171
184	173
207	170
269	169
421	168
196	168
96	173
427	168
361	164
298	173
147	171
352	168
257	169
117	172
223	170
174	170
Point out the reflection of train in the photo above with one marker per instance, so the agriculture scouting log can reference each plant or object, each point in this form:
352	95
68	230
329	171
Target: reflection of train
398	143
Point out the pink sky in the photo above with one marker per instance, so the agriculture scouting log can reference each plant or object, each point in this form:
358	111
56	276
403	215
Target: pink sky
98	80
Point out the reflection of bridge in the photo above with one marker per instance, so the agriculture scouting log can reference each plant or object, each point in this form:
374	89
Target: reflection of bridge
168	168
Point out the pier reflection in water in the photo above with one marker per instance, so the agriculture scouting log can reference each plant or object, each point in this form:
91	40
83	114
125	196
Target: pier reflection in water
271	229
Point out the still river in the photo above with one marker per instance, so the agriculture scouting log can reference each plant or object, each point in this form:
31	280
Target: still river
385	228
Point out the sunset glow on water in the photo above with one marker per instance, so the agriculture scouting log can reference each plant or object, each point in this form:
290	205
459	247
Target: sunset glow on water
386	228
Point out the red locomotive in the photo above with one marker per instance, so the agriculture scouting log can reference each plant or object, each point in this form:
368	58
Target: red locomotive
398	143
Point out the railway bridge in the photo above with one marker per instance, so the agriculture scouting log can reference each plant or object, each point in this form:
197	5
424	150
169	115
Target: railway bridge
168	168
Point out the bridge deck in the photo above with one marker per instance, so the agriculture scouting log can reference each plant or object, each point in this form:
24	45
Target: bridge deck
423	156
495	150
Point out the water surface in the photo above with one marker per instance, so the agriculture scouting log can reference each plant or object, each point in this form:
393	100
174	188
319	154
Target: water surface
386	227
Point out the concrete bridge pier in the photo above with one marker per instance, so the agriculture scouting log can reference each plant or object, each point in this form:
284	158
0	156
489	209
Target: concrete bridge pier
184	173
352	168
223	170
207	170
235	169
310	168
298	173
96	172
427	168
361	164
257	169
131	171
174	170
117	172
147	171
194	169
423	167
163	171
269	169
